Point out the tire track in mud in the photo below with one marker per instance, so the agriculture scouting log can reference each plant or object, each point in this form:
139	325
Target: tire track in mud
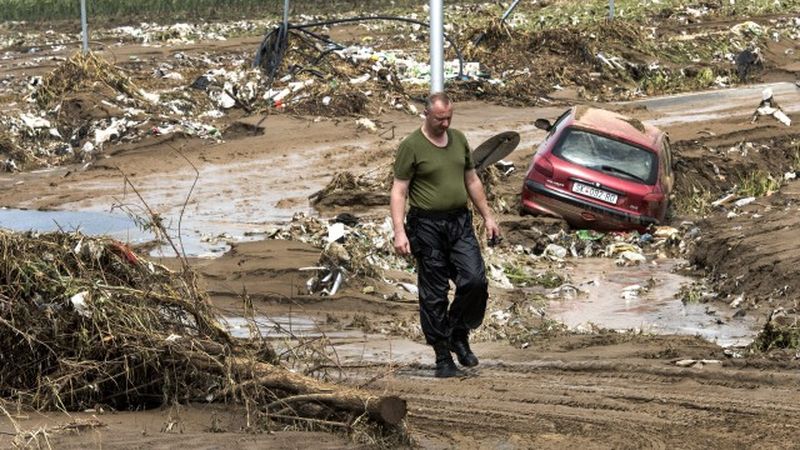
641	404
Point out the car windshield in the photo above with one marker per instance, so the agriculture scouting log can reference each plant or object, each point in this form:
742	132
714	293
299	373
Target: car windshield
607	155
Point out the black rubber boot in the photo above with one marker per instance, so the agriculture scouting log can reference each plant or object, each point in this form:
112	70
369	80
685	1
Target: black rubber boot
445	367
459	344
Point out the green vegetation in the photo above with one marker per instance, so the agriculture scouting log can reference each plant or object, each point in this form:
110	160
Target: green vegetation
775	336
519	275
698	202
697	292
759	184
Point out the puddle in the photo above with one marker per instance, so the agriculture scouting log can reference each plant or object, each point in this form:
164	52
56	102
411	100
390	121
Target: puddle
199	238
117	226
656	311
351	346
289	327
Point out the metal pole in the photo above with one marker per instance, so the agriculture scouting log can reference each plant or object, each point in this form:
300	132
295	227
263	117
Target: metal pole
511	9
437	46
85	27
610	9
285	14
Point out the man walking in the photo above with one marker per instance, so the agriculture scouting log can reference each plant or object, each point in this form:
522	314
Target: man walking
434	171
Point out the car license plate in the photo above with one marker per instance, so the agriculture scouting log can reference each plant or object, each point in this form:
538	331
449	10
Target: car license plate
594	192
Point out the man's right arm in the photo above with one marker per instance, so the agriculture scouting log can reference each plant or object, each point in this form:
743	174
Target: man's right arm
397	205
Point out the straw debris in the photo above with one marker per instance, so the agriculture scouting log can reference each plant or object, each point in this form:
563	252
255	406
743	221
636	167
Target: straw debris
86	321
81	72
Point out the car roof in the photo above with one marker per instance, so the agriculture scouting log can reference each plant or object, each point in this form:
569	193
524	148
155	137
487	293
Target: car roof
614	124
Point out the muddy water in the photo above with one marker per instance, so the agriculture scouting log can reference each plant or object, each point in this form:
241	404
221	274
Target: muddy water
608	299
88	222
351	346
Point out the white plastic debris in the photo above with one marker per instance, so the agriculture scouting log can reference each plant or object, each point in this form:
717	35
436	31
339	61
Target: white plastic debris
150	97
114	130
666	232
555	251
768	107
411	288
744	201
336	231
631	292
362	79
500	316
737	301
565	291
788	176
34	122
505	167
629	258
78	302
497	275
366	124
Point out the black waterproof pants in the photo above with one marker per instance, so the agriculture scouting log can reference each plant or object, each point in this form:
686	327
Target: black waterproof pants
445	247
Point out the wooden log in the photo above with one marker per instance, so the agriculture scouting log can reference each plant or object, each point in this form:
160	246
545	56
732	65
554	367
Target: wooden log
385	409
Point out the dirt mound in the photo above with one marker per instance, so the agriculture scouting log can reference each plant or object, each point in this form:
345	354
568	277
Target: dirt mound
755	253
741	163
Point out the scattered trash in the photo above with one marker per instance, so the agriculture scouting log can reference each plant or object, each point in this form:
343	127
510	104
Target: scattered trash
747	61
78	302
629	258
411	288
336	232
555	251
744	202
768	107
631	292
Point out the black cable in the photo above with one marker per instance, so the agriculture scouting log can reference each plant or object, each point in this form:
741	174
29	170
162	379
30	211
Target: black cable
274	45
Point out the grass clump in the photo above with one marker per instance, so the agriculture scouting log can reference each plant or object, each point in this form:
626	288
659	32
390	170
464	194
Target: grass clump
759	184
699	202
775	336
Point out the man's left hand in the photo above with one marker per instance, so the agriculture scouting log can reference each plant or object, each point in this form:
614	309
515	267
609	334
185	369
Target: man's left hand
492	230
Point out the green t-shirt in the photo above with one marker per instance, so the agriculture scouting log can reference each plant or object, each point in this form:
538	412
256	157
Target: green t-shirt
436	173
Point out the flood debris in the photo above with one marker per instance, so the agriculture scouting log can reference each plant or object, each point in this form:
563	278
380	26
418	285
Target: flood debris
86	321
781	332
769	107
346	189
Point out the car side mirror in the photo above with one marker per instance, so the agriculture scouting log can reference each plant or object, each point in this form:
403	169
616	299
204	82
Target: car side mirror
543	124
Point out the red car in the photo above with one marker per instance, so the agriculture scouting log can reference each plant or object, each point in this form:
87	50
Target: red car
601	170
